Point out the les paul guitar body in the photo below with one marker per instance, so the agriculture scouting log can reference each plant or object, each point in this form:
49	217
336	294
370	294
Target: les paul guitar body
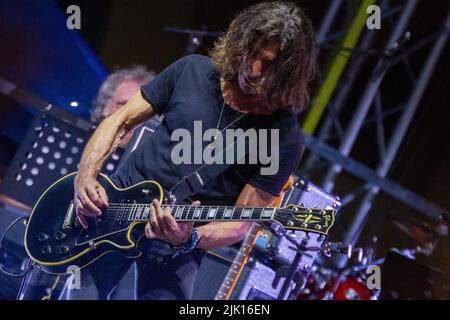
55	240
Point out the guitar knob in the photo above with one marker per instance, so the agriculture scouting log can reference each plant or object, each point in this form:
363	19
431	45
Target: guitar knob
46	249
60	235
63	250
43	237
145	191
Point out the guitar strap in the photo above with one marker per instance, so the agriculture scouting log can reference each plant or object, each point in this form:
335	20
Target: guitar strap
190	184
140	135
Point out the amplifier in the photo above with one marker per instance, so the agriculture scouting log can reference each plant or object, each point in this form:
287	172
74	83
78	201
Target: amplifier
258	281
255	282
212	272
278	246
263	279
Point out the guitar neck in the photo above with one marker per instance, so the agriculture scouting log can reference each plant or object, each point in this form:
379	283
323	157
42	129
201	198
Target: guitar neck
185	213
228	284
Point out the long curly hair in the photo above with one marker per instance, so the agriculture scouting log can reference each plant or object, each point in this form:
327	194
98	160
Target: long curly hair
288	77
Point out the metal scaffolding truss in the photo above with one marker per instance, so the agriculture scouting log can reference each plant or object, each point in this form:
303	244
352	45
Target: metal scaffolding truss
335	90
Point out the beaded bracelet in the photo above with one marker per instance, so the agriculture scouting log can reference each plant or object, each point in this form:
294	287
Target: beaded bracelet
192	244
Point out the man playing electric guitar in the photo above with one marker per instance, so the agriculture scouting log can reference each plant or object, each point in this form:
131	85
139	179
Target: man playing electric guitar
257	77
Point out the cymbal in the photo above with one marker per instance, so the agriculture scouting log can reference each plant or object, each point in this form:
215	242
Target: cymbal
416	229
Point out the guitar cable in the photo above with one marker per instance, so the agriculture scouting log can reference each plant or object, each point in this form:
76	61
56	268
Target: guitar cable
2	237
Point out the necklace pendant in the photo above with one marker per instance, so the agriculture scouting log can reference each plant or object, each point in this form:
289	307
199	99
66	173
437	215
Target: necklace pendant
212	145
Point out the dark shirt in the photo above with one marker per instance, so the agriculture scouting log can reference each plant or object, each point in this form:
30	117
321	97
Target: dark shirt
187	91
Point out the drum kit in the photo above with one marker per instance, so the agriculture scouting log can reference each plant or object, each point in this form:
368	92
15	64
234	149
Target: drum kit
326	282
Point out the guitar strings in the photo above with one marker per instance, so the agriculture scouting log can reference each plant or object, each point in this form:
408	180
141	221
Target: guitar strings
118	210
114	209
220	209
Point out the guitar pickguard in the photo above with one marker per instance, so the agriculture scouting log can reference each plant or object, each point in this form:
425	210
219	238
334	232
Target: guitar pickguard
98	230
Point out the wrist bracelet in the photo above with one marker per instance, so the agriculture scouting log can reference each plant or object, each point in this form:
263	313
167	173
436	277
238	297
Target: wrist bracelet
191	244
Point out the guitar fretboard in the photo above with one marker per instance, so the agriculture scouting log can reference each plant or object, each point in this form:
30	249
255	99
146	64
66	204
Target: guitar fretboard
141	212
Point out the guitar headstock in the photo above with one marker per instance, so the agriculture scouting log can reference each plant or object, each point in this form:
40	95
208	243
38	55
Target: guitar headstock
314	220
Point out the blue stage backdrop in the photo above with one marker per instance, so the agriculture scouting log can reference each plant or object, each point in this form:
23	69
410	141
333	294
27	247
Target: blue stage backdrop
40	54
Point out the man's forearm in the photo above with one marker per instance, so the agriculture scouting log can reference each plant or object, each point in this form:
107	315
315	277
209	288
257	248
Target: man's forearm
102	144
220	234
110	133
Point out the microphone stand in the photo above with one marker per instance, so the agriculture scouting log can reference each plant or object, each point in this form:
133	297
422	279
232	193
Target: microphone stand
195	37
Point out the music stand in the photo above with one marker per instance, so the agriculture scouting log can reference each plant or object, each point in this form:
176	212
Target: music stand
51	149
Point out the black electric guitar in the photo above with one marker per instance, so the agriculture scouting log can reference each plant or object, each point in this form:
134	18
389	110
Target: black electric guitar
55	240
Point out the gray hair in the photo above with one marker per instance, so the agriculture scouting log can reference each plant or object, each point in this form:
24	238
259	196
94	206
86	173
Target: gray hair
139	74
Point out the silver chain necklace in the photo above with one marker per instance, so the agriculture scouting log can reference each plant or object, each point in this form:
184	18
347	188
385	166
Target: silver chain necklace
212	144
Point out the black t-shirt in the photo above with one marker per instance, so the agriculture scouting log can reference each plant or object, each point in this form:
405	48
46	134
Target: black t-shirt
187	91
